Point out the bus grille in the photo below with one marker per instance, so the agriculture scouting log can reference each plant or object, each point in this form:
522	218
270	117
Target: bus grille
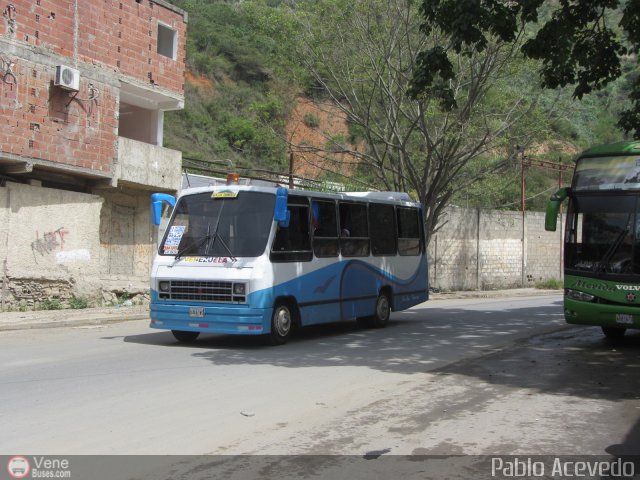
221	292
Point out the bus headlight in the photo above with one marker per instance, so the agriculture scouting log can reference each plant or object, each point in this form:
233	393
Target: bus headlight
164	286
577	295
239	288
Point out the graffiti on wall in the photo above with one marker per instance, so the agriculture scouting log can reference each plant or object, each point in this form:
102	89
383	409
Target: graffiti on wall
49	242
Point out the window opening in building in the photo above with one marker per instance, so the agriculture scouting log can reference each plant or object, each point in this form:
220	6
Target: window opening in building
166	41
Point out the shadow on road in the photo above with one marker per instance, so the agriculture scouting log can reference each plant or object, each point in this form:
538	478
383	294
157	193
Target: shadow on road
523	348
526	347
576	361
415	341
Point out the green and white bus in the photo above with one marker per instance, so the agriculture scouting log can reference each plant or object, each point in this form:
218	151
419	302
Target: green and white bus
602	238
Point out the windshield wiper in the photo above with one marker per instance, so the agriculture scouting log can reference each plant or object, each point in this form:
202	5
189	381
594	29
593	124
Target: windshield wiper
606	259
195	244
217	236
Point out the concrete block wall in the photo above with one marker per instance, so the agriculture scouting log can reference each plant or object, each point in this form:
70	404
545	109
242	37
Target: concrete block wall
544	249
453	251
485	250
500	249
56	244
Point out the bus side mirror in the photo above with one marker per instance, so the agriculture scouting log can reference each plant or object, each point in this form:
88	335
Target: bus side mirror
281	213
156	205
551	215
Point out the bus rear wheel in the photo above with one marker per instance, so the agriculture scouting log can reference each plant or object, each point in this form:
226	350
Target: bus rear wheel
184	336
281	324
614	333
381	314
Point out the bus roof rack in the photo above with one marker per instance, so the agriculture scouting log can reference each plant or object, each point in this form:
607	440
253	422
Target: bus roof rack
399	196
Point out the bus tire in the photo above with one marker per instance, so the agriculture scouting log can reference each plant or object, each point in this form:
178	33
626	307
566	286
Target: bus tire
382	312
281	324
614	333
184	336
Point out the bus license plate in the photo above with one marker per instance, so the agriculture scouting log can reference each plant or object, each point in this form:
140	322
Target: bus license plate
196	312
624	318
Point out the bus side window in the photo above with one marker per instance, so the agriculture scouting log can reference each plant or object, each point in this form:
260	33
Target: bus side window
354	230
408	231
381	224
293	244
325	228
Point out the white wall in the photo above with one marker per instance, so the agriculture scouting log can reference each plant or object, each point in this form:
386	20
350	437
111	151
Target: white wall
56	244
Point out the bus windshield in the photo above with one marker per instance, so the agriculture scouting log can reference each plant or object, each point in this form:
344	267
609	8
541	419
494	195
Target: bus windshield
220	225
602	235
619	172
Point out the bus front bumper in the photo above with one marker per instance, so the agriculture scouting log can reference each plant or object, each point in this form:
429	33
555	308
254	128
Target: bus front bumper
601	315
229	319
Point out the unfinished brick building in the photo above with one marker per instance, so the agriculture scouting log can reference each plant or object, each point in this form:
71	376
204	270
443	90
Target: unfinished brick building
83	90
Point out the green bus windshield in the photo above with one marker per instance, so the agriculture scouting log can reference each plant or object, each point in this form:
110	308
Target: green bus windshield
603	235
620	172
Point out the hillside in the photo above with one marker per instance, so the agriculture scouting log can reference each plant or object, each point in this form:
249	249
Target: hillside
248	104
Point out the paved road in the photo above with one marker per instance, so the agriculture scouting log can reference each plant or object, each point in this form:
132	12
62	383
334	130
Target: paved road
474	376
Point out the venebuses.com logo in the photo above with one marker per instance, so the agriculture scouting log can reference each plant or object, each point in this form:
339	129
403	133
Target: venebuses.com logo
38	467
18	467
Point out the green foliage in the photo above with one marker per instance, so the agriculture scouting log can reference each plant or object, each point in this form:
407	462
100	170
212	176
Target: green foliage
78	303
335	143
550	284
311	120
578	43
237	131
250	52
50	304
243	49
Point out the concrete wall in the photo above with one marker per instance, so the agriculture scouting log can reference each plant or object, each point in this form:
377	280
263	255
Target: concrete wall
148	166
56	244
484	250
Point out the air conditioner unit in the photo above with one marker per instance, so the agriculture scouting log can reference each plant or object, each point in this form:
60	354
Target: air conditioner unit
67	78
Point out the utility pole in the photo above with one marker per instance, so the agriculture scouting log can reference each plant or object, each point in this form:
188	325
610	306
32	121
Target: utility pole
291	170
556	166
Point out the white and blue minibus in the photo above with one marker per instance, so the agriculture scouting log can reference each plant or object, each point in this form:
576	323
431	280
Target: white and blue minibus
254	260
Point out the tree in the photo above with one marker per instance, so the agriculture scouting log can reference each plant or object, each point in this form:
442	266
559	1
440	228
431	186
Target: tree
581	42
362	55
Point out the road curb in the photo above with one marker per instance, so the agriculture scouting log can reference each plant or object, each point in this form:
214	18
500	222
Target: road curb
524	292
34	320
104	316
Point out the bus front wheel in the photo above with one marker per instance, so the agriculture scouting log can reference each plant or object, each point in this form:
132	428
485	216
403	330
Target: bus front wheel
613	333
281	324
184	336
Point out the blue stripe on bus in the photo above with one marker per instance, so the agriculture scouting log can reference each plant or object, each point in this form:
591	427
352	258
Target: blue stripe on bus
344	290
341	291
